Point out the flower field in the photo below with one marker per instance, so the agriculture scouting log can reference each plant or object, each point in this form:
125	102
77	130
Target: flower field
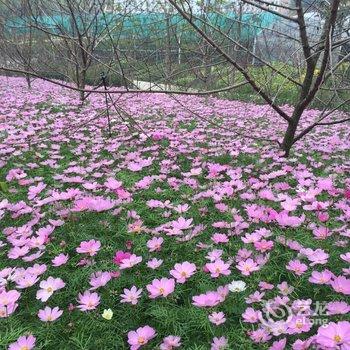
182	229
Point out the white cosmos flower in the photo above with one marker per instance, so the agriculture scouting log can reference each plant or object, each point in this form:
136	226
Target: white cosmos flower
107	314
237	286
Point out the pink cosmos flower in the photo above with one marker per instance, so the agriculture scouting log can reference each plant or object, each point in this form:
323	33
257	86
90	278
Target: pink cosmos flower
337	308
219	238
297	267
341	285
158	135
131	261
123	194
23	343
112	184
256	297
222	207
161	287
208	299
217	268
17	252
170	342
89	247
217	318
182	223
265	286
33	191
120	256
223	292
99	279
251	237
290	204
243	254
49	315
136	227
131	295
8	302
302	307
334	335
60	259
298	324
115	274
323	216
284	288
251	316
263	245
183	271
85	262
284	220
323	277
155	244
276	328
302	344
347	193
279	344
247	267
48	287
181	208
154	263
321	232
140	337
92	204
88	301
260	335
318	256
214	255
345	257
37	269
219	343
26	281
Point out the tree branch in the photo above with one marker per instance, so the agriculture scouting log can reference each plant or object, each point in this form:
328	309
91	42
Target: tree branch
264	8
250	80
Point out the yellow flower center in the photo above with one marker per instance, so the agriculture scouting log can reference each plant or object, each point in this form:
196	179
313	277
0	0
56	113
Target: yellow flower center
24	348
161	290
141	340
49	289
137	229
337	338
299	324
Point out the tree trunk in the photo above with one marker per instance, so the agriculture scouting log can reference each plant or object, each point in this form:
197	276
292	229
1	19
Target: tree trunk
168	68
288	138
29	83
82	87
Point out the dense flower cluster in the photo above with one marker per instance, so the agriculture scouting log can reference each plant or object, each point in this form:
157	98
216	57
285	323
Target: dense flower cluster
134	229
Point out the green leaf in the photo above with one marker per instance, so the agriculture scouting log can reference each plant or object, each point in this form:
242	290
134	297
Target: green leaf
3	187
